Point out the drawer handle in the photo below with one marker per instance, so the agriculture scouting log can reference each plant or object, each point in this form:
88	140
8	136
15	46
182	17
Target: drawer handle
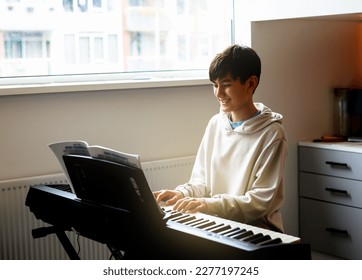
337	231
337	164
337	191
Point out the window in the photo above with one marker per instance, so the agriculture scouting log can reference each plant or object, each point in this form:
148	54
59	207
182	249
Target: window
69	49
65	37
21	50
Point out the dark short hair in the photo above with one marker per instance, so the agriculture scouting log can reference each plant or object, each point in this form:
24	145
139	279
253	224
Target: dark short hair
238	61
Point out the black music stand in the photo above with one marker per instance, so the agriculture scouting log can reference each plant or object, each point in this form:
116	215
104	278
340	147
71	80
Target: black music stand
122	188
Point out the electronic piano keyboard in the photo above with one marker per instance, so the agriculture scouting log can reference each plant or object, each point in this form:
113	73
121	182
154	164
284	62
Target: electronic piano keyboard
173	236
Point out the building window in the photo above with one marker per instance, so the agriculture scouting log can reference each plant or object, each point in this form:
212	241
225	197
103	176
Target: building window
24	45
84	50
97	3
69	49
13	45
113	53
68	5
83	5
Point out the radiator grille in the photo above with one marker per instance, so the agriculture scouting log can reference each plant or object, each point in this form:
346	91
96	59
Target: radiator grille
168	173
17	222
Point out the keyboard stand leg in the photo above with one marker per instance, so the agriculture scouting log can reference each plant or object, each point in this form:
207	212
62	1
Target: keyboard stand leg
116	253
63	238
67	245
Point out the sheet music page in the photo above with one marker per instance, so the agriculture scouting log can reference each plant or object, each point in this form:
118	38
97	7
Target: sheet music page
114	156
79	147
75	147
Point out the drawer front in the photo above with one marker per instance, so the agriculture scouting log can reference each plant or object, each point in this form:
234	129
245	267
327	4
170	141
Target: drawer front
330	162
331	228
331	189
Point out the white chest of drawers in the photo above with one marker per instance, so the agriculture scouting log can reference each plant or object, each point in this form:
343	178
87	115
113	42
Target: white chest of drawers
330	197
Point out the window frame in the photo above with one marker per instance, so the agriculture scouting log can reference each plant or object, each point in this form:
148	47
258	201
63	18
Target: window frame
100	82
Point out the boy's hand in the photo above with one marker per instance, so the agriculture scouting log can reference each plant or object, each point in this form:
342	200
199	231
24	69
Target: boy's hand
169	197
190	205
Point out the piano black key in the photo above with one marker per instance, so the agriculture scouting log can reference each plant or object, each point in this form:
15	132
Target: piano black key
253	237
235	233
271	242
196	222
214	226
221	229
179	218
261	239
230	231
174	215
246	233
186	219
201	226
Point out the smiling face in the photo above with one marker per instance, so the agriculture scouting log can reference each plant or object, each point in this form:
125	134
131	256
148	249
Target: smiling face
235	97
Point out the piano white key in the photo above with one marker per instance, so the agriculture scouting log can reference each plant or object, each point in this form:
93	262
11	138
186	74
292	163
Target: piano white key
236	233
196	220
216	228
244	235
229	231
211	226
205	224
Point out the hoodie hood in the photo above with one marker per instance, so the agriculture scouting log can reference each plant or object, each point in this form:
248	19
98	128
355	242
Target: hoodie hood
255	124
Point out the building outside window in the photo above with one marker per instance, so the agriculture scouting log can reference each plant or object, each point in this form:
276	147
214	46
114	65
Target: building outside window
58	37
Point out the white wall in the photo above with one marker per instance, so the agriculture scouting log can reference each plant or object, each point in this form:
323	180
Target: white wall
256	10
155	123
303	60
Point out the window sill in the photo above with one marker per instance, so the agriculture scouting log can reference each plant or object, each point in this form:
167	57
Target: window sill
98	85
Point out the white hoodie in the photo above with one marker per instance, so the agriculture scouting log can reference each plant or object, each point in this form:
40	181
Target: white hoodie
240	172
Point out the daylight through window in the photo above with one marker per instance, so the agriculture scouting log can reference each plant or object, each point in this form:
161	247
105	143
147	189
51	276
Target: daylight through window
62	37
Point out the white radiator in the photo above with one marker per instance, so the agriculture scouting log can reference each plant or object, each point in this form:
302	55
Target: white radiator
17	222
